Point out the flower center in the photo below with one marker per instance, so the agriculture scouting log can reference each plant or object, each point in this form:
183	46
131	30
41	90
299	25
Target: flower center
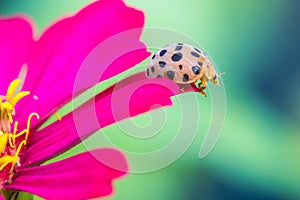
11	141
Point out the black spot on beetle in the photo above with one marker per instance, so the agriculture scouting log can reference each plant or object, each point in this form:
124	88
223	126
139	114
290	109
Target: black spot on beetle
158	76
180	67
180	43
196	70
200	63
195	54
162	64
163	52
153	56
215	77
185	78
178	48
197	50
152	69
148	72
170	74
176	57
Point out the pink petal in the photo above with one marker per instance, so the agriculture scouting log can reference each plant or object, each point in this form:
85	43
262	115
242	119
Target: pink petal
61	50
132	96
189	88
15	42
84	176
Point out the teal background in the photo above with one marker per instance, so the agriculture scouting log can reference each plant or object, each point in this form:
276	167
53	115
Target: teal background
257	44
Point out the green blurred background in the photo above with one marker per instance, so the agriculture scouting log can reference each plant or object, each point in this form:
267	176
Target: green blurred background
257	44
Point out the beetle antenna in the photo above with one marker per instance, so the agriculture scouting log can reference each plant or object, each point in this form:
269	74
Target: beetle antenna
222	74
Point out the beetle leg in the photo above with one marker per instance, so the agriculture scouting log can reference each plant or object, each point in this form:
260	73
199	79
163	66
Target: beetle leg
182	87
202	86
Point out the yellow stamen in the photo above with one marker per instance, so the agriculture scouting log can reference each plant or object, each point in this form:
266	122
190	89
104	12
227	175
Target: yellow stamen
12	138
7	111
12	88
14	135
7	106
3	141
22	144
57	116
14	100
11	143
5	160
28	123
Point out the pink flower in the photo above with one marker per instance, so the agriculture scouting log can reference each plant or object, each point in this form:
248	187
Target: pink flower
53	62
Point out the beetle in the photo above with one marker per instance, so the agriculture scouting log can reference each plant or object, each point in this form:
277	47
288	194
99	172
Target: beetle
183	64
